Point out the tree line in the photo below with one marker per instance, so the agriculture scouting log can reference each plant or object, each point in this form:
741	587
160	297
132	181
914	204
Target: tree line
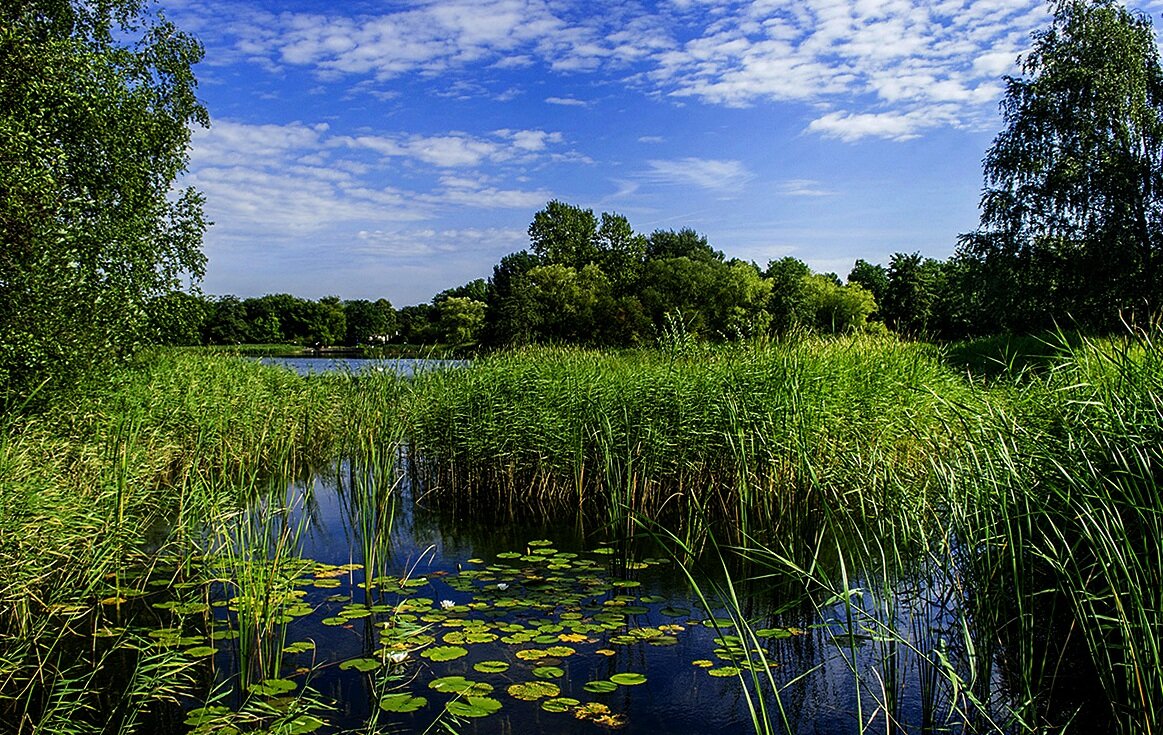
592	280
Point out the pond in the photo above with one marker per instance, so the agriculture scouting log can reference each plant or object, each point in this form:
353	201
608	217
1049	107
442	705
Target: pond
310	364
543	626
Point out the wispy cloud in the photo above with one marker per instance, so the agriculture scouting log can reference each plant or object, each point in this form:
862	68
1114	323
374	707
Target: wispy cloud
713	175
803	188
566	102
299	178
875	67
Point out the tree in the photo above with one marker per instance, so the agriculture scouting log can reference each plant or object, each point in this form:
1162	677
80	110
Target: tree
226	322
873	277
836	309
620	252
459	320
177	318
686	243
788	305
565	234
511	315
910	301
1073	206
369	321
96	100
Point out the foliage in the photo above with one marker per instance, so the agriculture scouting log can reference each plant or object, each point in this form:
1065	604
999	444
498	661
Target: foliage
96	100
368	321
1072	212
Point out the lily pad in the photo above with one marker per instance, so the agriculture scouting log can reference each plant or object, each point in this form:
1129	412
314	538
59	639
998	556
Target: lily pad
444	653
548	672
491	667
401	702
601	686
460	685
534	690
724	671
473	707
628	678
559	704
273	687
302	725
360	664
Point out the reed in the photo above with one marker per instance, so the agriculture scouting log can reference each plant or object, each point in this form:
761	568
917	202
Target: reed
1056	500
762	438
104	483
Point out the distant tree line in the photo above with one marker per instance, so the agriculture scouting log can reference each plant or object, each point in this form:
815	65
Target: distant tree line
590	280
182	318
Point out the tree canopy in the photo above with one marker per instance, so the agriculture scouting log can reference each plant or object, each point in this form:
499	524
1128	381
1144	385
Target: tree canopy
96	104
1073	204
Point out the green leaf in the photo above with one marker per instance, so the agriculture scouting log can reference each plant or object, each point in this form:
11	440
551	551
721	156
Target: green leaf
401	702
473	706
628	679
444	653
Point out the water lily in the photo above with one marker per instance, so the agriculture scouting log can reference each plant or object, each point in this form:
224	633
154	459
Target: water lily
397	657
502	586
447	604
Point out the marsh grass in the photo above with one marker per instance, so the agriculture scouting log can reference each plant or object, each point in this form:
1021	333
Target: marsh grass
1023	508
103	485
754	440
1056	500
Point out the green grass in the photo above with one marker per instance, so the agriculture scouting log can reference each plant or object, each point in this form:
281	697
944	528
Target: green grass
125	475
762	440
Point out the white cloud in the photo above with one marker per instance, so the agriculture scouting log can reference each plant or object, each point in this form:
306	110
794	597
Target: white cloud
295	179
803	188
715	175
566	102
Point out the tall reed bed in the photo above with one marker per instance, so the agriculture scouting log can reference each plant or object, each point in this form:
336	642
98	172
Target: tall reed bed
763	439
1056	503
120	477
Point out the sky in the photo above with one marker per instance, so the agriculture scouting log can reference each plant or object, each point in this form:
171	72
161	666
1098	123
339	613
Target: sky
397	148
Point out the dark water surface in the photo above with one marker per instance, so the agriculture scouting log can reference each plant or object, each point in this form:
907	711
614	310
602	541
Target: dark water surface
559	603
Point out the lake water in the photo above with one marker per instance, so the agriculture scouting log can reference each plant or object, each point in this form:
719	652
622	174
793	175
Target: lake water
307	364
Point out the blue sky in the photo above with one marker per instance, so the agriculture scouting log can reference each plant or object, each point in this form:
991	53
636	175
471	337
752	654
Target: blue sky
397	148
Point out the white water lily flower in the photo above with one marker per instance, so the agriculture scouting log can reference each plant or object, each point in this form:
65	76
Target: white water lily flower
447	604
397	657
502	586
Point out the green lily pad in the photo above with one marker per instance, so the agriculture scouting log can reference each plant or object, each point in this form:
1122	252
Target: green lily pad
601	686
299	647
200	651
473	707
491	667
560	704
401	702
460	685
303	724
628	679
774	633
724	671
533	690
334	621
548	672
444	653
360	664
273	687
